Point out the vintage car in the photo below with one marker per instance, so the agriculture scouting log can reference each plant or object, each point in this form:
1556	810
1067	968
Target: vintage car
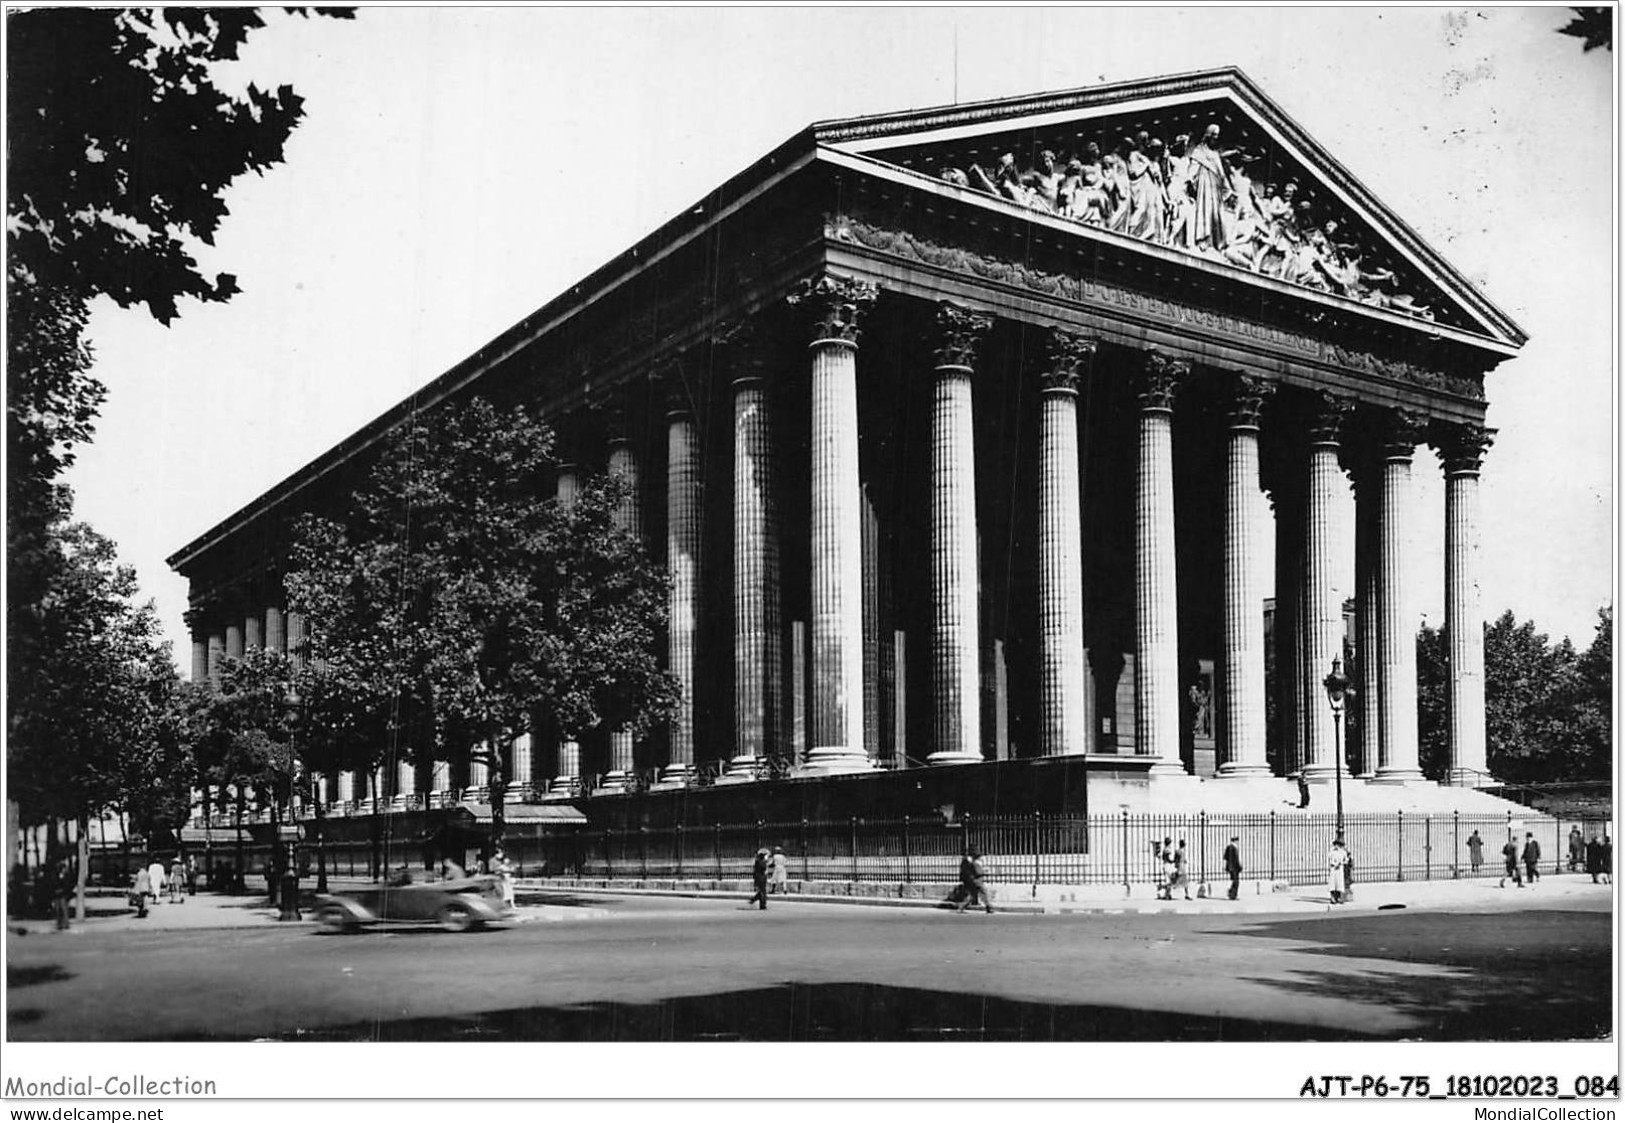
457	905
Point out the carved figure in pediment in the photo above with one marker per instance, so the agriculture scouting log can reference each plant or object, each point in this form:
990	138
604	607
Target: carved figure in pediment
1207	186
1181	198
956	177
1114	173
1278	234
1050	177
1145	202
1007	180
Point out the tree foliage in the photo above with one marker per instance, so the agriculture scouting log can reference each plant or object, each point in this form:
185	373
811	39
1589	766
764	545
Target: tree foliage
94	689
1548	708
454	602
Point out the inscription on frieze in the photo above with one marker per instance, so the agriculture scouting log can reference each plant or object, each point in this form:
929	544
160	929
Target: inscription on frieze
1085	290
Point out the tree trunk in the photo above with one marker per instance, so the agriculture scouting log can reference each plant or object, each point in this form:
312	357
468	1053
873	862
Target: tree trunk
84	868
499	792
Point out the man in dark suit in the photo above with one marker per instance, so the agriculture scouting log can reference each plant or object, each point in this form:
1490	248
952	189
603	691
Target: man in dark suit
1232	865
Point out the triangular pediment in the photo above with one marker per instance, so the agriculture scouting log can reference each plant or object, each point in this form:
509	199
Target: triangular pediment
1141	160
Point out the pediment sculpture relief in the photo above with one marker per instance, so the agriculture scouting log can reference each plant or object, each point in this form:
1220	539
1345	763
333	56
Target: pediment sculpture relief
1199	196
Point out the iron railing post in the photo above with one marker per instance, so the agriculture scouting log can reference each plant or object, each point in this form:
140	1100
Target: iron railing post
1036	850
1127	883
805	876
854	835
1455	845
1427	848
1201	846
679	850
1272	846
716	847
643	852
908	865
1399	817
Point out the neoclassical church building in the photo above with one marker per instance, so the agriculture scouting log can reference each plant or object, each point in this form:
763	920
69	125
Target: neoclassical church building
960	431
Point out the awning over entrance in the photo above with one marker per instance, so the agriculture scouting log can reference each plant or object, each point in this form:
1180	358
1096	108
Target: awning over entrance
215	836
550	814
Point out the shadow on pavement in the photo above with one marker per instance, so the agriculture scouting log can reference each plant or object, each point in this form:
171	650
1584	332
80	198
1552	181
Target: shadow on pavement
822	1012
18	977
1538	975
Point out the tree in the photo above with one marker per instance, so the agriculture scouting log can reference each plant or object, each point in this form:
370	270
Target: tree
1587	697
1526	725
1433	702
450	605
1593	26
120	147
90	693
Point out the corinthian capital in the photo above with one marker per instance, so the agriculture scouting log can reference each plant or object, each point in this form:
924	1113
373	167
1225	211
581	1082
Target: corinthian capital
1245	402
1070	355
1326	419
1401	429
1158	380
1461	448
837	304
962	331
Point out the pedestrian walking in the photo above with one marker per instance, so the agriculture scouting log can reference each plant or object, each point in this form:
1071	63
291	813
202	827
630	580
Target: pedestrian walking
177	882
1232	865
1531	857
1594	858
156	873
973	880
63	881
141	889
758	877
1577	850
1303	791
1348	873
779	870
1475	851
504	876
1164	857
1182	877
1336	878
191	876
1509	853
1607	859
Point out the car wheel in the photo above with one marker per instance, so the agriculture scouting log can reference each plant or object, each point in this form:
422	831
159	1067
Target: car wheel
455	918
333	920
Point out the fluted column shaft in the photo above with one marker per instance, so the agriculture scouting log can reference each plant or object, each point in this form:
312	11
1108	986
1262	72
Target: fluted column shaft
569	758
297	631
835	710
1367	701
200	658
623	464
955	586
1067	727
754	647
406	778
234	641
1462	453
276	630
1400	753
1323	608
1156	586
216	656
1241	700
683	506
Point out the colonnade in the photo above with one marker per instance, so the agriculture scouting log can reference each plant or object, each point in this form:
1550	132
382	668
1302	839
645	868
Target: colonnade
1310	611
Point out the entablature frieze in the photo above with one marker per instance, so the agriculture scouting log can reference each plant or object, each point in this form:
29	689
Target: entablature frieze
1131	313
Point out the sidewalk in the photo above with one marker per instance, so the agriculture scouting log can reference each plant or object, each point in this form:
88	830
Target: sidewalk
217	911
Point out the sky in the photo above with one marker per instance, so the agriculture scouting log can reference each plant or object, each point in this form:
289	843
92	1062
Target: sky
458	168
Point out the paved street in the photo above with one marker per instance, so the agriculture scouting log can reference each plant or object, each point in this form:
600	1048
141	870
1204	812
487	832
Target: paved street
606	968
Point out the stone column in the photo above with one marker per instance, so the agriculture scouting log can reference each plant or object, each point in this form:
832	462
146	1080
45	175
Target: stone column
623	464
835	712
1323	608
1462	450
569	760
1397	718
234	641
1241	698
755	562
296	638
346	786
1367	700
1156	586
254	631
276	631
1288	638
684	507
1066	725
406	779
200	656
956	624
217	655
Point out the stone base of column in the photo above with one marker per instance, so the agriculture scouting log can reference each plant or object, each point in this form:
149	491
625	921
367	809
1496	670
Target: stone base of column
835	760
1397	776
958	756
614	783
562	787
1162	766
1236	771
741	770
1320	773
1469	778
674	776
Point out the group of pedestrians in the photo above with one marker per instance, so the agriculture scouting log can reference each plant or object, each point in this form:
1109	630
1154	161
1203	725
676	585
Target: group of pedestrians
153	883
770	872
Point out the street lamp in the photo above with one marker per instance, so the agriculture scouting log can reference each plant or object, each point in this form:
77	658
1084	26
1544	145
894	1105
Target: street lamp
1337	692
